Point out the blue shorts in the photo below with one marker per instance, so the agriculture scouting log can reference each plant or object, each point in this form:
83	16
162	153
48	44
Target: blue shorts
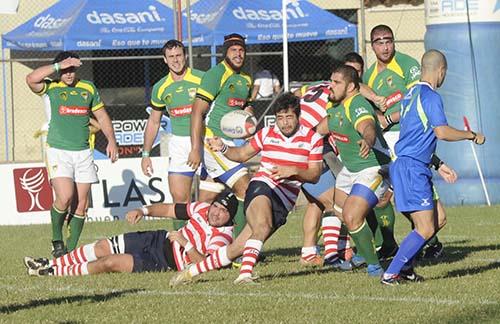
412	183
326	182
259	188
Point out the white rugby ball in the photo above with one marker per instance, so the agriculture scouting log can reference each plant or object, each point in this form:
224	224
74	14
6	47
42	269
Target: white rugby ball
238	124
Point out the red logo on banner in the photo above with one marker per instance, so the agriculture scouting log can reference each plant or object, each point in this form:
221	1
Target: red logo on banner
33	191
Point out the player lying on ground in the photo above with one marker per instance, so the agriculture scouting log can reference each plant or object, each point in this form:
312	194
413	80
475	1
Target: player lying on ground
291	155
209	227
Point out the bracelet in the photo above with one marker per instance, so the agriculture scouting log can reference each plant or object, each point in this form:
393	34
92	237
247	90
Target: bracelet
224	148
145	154
389	121
57	67
474	134
145	210
188	246
436	162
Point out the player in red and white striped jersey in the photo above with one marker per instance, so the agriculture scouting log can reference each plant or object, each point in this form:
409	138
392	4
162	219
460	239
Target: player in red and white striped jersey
291	155
208	228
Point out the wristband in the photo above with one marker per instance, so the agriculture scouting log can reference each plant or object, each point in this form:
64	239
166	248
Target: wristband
389	121
57	67
224	148
145	210
474	134
188	246
436	162
145	154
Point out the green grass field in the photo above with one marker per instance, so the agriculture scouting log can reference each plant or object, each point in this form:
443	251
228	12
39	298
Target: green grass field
463	287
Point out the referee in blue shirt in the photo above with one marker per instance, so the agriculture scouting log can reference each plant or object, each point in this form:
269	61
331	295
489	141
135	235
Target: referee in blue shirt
422	123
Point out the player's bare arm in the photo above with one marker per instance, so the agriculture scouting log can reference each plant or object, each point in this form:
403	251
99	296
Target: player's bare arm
450	134
322	127
193	253
367	130
107	129
311	174
369	94
200	107
36	77
157	210
237	154
149	135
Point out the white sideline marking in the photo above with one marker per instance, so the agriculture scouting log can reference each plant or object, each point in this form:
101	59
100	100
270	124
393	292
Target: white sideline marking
314	296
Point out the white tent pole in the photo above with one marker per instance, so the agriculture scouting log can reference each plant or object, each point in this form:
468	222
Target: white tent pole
5	113
190	38
285	45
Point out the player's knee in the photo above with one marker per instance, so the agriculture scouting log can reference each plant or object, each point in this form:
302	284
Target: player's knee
102	248
109	264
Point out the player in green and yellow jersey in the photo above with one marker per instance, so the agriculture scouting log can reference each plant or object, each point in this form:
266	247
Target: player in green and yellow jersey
70	163
175	93
223	88
364	153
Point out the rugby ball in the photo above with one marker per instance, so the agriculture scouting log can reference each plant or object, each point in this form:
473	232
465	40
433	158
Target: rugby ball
238	124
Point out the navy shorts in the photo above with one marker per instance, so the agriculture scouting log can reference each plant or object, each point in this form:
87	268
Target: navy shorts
151	250
259	188
412	184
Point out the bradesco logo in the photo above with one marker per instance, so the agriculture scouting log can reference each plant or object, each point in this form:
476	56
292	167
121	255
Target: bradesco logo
293	11
33	191
105	18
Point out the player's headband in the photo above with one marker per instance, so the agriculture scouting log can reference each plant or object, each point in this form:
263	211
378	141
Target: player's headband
389	38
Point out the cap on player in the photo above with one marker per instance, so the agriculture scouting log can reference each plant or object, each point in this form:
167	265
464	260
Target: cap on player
233	39
229	201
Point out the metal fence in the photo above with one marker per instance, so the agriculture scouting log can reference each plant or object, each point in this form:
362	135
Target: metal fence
125	79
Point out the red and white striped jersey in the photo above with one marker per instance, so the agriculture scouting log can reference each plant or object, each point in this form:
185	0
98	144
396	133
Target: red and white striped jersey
205	238
313	106
276	149
314	103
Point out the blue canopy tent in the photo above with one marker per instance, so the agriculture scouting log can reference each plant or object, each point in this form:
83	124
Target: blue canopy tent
95	25
98	25
260	21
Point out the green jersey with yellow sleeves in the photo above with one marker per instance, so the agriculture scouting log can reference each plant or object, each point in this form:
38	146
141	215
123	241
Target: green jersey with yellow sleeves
342	122
393	82
70	108
177	98
226	90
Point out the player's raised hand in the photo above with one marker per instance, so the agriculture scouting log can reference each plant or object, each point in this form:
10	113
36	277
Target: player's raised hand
364	148
147	166
215	143
134	216
448	174
70	62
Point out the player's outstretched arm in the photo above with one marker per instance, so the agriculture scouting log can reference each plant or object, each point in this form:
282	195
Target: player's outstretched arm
156	210
237	154
450	134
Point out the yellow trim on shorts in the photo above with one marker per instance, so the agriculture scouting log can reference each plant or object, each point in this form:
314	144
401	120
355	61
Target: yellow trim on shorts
378	180
216	158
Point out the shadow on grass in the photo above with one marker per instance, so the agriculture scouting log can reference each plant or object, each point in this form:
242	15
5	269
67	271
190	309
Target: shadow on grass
471	271
456	253
8	309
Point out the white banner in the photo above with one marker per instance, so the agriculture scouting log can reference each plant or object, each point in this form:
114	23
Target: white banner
27	196
461	11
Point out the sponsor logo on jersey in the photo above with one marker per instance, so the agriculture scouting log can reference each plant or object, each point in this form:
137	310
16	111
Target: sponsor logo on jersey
393	98
73	92
340	137
73	110
235	102
104	18
293	11
192	92
180	111
414	72
179	89
33	191
85	95
359	111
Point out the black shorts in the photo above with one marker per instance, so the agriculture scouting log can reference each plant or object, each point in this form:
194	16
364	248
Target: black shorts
151	250
259	188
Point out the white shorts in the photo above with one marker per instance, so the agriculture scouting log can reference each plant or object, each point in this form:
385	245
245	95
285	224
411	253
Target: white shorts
178	152
391	137
77	165
369	178
221	168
